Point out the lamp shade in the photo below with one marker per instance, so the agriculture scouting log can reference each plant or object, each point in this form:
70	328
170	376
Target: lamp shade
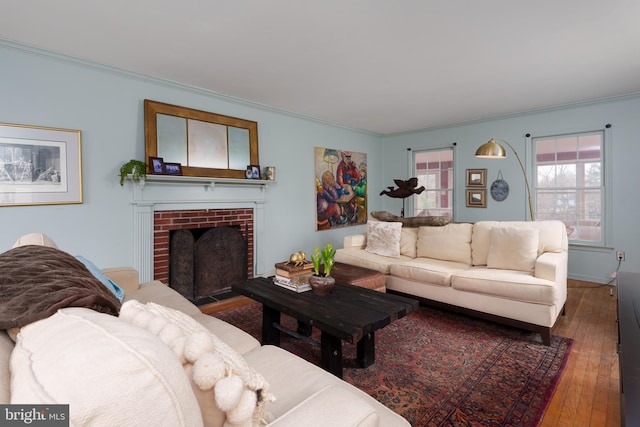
491	150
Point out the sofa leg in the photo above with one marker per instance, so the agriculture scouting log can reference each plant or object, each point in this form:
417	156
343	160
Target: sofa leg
546	336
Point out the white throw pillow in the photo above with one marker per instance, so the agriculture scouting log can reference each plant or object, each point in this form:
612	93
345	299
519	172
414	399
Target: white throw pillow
110	372
229	391
383	238
513	248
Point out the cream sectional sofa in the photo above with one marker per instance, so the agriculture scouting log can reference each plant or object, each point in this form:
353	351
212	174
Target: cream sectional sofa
513	272
114	372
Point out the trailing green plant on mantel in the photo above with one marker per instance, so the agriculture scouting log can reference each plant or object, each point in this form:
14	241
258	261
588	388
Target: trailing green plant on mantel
136	168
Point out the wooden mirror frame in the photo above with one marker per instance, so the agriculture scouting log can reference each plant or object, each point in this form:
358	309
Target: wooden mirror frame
152	108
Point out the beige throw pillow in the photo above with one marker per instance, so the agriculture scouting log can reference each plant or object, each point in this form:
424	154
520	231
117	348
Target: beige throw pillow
449	243
409	241
383	238
513	248
40	239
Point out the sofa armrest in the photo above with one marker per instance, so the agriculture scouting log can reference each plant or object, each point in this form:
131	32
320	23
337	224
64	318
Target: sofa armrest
125	277
552	266
331	406
355	241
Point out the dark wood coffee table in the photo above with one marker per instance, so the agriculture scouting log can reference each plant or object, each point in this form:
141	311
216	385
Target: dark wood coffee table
348	313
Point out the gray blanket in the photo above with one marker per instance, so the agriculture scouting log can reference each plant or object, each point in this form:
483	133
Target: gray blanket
36	281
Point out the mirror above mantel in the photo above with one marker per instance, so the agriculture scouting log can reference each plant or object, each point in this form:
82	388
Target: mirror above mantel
205	144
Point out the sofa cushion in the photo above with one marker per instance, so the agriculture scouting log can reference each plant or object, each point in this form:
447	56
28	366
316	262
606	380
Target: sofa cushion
236	338
39	239
409	241
508	284
111	373
449	243
362	258
427	270
552	237
513	248
127	278
310	379
158	292
383	238
331	406
6	347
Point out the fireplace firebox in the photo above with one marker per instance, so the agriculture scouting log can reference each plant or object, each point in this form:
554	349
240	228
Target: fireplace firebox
201	253
204	263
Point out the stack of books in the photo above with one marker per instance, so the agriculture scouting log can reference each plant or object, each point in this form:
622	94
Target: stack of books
293	277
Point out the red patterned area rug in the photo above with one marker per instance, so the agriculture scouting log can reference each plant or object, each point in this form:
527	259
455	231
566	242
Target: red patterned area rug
438	368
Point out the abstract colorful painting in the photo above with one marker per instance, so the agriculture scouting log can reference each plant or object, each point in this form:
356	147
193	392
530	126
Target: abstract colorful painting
341	188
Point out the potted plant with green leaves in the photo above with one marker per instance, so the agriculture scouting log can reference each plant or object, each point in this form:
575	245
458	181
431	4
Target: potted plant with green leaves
321	281
136	168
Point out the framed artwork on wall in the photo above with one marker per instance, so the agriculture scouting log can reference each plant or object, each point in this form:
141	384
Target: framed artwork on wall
340	188
39	165
477	198
476	177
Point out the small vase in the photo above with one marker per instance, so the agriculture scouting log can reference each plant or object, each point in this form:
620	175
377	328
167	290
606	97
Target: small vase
322	286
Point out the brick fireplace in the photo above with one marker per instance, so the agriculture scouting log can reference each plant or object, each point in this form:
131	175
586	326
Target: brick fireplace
166	221
162	203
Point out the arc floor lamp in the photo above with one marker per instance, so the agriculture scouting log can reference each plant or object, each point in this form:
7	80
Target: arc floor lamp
493	150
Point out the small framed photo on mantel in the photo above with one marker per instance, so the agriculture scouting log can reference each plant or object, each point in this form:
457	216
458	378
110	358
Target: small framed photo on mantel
253	172
157	165
172	168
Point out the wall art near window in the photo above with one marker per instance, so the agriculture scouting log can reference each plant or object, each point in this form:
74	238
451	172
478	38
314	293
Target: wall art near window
476	177
39	165
341	188
499	189
477	198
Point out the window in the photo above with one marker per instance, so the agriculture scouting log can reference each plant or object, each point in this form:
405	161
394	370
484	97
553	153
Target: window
434	170
569	184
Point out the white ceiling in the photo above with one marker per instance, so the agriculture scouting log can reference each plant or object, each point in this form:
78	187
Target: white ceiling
378	65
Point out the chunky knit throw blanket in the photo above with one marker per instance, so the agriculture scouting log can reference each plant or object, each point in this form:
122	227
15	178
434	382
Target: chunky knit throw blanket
36	281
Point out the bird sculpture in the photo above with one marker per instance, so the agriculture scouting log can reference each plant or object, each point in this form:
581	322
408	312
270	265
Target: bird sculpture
405	188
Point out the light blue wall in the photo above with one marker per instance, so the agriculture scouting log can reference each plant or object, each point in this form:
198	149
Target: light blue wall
41	89
592	264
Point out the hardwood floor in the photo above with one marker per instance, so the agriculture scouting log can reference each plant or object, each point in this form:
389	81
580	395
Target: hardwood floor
589	391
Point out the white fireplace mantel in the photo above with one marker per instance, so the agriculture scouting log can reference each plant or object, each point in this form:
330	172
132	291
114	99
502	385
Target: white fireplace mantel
208	183
168	193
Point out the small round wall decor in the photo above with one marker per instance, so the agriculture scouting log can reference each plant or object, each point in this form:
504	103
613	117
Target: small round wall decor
499	188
